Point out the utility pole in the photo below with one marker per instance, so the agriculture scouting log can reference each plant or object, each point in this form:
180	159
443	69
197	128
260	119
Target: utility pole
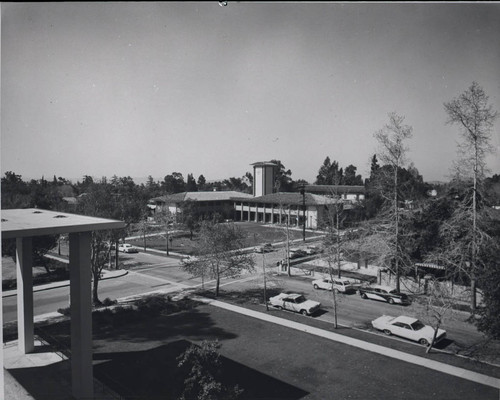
303	193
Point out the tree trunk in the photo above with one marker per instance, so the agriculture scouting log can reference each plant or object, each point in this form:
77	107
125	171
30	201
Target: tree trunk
95	284
396	239
433	338
116	255
217	286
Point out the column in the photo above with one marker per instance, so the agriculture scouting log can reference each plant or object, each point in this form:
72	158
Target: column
24	269
241	212
81	315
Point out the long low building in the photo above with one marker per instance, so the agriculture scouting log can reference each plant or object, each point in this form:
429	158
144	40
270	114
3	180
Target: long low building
280	208
206	202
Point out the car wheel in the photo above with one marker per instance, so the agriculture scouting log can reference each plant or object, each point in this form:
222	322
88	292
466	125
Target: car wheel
391	301
387	332
423	342
364	296
336	291
303	312
279	307
315	286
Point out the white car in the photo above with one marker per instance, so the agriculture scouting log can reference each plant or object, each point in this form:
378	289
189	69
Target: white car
127	248
295	302
312	249
342	285
409	328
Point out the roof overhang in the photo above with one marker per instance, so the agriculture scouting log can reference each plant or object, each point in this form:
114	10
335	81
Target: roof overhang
30	222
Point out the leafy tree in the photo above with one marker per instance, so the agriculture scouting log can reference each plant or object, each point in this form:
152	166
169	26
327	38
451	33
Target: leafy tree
492	190
191	184
350	177
219	253
249	179
99	202
283	177
201	182
488	316
391	140
174	183
15	192
237	184
329	173
191	215
475	117
203	368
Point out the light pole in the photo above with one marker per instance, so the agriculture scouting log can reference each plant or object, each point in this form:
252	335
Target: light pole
265	284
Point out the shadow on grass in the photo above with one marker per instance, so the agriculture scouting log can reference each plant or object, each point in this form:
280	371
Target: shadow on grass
194	324
247	296
153	374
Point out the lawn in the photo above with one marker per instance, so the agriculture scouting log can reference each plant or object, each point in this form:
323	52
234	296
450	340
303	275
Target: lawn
138	360
256	234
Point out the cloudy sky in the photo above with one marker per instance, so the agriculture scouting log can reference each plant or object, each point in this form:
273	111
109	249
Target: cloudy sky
138	89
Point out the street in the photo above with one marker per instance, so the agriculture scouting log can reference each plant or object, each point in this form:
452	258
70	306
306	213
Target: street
151	272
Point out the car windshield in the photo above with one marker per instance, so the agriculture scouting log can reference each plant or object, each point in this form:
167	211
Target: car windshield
417	325
300	299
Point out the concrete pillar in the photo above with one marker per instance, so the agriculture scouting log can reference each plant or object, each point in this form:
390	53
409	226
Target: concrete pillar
249	209
241	212
81	315
25	321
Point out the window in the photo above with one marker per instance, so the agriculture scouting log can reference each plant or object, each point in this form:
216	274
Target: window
417	325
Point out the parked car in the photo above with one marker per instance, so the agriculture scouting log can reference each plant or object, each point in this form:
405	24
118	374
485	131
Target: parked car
312	249
127	248
409	328
268	247
297	254
295	302
342	285
188	259
383	293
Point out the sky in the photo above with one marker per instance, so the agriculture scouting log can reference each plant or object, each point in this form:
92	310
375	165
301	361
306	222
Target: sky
139	89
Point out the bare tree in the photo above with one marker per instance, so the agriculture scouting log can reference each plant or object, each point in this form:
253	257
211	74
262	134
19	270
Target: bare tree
164	218
475	117
392	152
219	253
435	307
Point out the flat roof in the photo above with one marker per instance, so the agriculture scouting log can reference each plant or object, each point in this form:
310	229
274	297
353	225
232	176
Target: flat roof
29	222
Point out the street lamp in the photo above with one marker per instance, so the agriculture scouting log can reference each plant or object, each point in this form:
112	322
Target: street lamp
303	193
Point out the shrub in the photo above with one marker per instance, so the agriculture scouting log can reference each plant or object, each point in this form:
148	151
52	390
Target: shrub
64	311
108	302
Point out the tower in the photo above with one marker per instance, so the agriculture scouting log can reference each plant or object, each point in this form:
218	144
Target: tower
264	174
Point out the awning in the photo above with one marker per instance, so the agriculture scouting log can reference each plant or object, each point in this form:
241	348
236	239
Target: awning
429	265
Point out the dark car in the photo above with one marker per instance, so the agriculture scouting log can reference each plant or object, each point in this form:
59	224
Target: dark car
267	248
384	293
297	254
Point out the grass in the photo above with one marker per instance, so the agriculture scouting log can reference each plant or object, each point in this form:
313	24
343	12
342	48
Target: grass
256	234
